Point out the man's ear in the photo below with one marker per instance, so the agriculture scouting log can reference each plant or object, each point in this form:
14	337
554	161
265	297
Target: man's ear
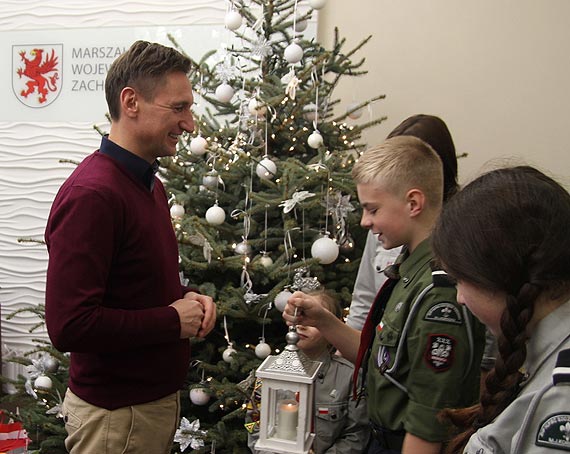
129	102
416	201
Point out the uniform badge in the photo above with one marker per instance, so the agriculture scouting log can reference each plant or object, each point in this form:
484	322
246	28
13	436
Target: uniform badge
439	352
445	313
554	432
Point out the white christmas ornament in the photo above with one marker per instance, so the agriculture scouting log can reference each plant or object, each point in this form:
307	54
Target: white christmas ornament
266	169
215	215
211	179
51	364
310	112
301	25
256	107
315	140
224	92
325	249
227	355
266	261
356	114
281	300
200	396
262	350
233	20
293	53
243	248
198	145
317	4
43	382
176	211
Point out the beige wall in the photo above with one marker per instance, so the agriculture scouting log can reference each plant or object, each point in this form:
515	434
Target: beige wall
497	71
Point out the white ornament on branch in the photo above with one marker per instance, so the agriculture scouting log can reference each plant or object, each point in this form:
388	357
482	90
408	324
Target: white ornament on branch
315	140
317	4
198	145
262	350
325	249
233	20
353	111
256	107
266	169
310	112
224	92
281	300
293	53
215	215
177	211
43	382
200	395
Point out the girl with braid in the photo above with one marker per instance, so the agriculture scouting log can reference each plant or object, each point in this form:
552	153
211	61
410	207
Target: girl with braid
521	291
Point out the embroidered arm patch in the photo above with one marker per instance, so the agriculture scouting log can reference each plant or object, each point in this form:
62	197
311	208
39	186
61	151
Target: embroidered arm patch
439	352
445	312
554	432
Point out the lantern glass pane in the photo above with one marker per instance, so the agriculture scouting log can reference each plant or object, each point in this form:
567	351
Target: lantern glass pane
286	412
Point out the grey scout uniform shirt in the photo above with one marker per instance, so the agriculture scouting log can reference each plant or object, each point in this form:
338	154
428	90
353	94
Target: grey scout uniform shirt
427	355
538	420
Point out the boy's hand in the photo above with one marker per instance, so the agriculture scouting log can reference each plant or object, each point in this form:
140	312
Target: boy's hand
303	309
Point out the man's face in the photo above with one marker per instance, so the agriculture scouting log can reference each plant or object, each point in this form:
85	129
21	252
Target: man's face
164	118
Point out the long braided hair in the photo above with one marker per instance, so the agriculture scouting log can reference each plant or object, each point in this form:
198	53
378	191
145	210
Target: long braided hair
505	232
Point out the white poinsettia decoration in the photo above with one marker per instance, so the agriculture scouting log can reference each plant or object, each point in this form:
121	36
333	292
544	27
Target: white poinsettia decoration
189	434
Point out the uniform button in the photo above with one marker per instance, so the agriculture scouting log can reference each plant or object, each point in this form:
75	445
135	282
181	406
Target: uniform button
65	419
406	280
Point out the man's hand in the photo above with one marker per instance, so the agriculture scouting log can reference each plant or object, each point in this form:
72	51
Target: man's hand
209	310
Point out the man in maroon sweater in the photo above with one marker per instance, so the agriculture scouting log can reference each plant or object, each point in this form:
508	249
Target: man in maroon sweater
113	297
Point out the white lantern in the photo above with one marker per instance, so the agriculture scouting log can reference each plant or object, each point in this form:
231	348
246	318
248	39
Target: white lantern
287	400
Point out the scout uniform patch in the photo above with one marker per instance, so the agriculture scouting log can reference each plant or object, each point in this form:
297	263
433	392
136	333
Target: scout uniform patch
439	352
445	312
554	432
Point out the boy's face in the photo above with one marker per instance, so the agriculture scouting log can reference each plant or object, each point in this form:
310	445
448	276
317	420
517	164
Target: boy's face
385	213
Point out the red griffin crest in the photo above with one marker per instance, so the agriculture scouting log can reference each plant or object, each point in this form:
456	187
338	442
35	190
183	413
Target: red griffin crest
40	72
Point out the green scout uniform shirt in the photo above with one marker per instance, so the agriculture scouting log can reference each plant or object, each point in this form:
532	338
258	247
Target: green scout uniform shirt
436	365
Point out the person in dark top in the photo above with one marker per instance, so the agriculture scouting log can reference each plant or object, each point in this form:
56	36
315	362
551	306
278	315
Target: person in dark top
113	295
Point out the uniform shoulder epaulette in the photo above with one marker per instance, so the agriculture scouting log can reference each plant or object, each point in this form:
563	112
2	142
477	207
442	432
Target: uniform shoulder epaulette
561	372
441	279
342	360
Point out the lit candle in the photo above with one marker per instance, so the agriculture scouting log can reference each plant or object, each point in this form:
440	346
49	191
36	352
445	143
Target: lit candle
288	418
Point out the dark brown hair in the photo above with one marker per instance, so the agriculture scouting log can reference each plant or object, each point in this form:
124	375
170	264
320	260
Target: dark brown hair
434	132
506	232
142	67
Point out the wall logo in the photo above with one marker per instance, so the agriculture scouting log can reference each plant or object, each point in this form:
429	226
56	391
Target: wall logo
36	73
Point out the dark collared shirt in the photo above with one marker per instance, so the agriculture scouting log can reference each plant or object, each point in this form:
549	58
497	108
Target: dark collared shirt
141	169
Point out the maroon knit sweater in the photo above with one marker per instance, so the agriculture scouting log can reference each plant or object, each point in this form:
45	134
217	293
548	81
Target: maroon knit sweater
113	271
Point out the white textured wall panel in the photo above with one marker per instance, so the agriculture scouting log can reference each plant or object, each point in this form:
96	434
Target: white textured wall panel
30	171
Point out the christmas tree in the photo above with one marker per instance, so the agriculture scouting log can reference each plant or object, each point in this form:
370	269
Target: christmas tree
262	201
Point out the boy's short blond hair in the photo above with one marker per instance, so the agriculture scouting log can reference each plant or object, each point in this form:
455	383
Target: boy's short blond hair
400	164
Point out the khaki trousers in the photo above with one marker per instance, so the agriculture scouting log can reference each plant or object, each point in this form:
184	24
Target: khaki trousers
138	429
